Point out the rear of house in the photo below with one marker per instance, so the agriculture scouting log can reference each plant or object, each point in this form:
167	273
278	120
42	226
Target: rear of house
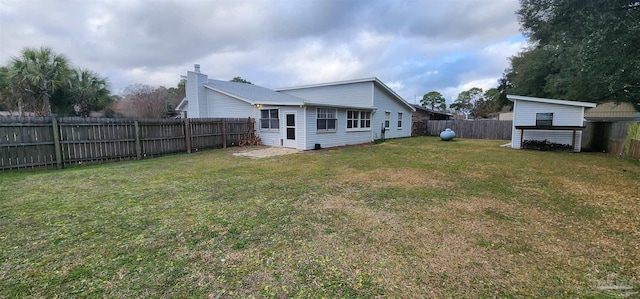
305	117
365	110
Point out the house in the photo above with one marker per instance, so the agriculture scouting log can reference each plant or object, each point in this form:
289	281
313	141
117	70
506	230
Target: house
557	121
304	117
423	113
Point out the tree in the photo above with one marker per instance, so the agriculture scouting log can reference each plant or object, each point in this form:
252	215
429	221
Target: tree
42	81
240	80
530	71
434	100
580	50
468	102
5	98
35	75
141	101
490	104
177	94
503	87
88	92
144	101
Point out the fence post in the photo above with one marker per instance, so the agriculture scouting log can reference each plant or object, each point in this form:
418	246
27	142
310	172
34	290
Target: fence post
224	134
56	142
187	132
138	144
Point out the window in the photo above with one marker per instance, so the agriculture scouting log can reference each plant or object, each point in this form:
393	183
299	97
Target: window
269	119
544	119
399	120
326	119
358	119
387	119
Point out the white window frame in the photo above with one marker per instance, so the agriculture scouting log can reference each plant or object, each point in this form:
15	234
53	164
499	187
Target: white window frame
270	120
360	120
387	119
399	120
544	117
326	115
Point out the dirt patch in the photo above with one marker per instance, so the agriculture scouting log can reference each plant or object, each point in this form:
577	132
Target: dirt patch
264	152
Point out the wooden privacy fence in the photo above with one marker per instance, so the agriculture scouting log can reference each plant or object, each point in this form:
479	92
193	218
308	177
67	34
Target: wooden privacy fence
473	129
46	142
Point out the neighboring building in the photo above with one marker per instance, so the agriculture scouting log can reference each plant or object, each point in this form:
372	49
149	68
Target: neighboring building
505	115
16	113
611	111
557	121
304	117
423	113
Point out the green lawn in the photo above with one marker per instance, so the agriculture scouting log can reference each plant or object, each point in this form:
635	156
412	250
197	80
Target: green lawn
409	218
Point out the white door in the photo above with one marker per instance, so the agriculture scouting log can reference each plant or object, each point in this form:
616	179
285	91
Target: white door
290	130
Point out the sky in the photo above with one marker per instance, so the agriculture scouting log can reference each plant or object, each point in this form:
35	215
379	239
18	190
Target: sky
414	47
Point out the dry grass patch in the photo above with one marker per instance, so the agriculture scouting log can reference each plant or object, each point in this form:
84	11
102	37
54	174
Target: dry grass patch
410	218
393	177
610	194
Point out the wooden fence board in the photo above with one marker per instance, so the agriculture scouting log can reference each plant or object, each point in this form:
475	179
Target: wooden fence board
478	129
634	149
29	142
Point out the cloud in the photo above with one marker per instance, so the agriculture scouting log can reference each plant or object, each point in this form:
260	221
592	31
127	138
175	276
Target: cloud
414	46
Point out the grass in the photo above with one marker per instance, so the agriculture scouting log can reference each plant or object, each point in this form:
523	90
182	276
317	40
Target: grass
409	218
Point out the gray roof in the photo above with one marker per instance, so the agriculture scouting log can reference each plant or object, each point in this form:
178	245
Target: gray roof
551	101
253	94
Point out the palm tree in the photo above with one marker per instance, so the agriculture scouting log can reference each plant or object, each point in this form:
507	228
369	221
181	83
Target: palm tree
38	73
88	91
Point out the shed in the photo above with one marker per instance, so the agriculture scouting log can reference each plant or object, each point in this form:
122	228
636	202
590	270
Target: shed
557	121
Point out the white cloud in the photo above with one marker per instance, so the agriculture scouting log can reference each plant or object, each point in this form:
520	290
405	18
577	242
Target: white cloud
314	62
414	46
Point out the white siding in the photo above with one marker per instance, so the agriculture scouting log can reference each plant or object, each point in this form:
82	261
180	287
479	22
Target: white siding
277	137
384	102
329	139
563	115
269	137
221	105
196	95
352	94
